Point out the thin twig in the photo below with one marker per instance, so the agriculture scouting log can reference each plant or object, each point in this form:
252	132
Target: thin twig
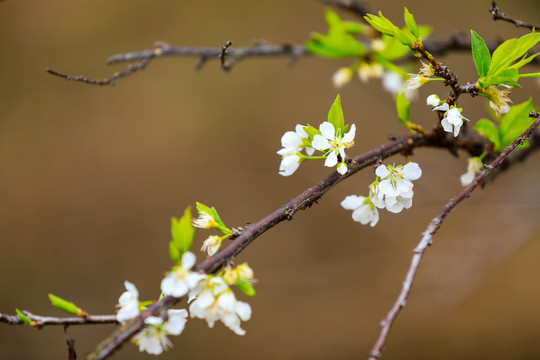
427	238
499	15
204	54
225	65
49	320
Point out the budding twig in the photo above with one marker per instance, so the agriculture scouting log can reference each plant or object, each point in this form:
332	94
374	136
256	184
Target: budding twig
427	239
499	15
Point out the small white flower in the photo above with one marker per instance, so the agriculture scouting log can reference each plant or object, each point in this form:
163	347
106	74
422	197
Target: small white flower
415	81
342	77
498	98
364	211
378	45
205	221
473	168
367	71
212	244
179	281
128	303
333	144
433	100
293	142
289	164
452	121
216	302
153	338
452	118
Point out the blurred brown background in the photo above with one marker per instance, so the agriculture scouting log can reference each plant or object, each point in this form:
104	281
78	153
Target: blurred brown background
90	176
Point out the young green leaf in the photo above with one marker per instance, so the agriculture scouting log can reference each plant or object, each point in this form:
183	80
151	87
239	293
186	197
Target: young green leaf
481	55
25	318
182	232
514	123
486	128
174	253
338	43
335	115
403	107
66	306
411	24
245	287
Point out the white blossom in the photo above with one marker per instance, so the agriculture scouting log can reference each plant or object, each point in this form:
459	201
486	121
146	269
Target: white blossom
293	142
394	189
364	210
452	121
128	303
215	301
333	144
433	100
394	83
452	118
179	281
474	167
153	338
342	77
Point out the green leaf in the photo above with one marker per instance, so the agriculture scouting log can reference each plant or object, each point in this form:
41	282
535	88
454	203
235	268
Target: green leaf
182	232
393	48
411	24
338	43
174	253
514	123
486	128
66	306
481	55
24	318
403	107
335	115
355	28
246	287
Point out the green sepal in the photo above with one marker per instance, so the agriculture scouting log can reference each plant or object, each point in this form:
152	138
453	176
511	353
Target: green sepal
311	131
174	253
403	107
481	55
246	287
25	319
66	306
411	24
335	115
182	231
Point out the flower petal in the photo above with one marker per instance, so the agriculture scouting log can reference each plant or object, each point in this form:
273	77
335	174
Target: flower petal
327	130
352	202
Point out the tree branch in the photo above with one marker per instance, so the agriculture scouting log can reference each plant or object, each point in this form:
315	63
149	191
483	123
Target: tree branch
499	15
49	320
427	239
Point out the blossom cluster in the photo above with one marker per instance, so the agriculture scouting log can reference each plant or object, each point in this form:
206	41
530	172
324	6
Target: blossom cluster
332	138
392	190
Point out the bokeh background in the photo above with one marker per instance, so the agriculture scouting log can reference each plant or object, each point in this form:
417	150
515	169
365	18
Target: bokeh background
90	176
